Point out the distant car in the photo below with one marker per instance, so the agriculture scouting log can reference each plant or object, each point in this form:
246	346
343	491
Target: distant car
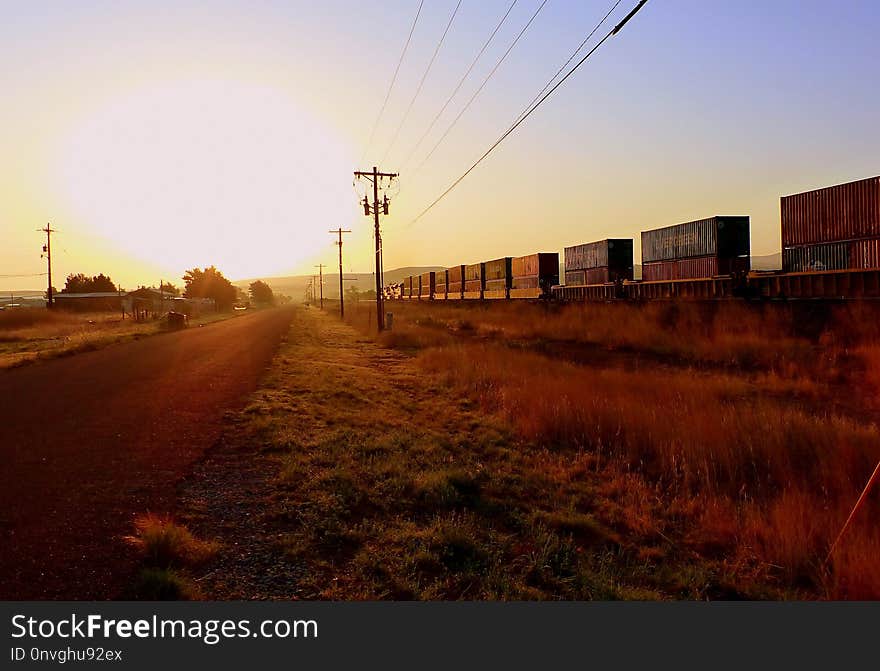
239	307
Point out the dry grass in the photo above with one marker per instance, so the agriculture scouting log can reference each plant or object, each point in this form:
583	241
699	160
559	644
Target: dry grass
741	420
30	334
384	483
168	550
165	544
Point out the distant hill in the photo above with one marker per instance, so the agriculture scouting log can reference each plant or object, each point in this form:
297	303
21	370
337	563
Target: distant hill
767	262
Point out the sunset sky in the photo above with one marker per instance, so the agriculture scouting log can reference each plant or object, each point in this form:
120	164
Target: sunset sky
161	136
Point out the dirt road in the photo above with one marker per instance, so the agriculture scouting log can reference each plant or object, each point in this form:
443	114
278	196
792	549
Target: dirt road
90	441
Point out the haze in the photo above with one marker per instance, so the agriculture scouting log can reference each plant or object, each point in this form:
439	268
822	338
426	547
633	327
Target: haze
160	136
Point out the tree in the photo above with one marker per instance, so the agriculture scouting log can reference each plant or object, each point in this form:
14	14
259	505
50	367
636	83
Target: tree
83	284
168	288
209	283
261	293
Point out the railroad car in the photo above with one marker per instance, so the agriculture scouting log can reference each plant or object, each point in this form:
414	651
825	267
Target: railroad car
830	250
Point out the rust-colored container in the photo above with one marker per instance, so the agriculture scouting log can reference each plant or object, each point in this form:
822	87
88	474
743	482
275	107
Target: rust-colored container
535	271
816	258
864	254
498	269
542	263
497	285
838	213
455	281
528	282
440	283
575	278
475	271
681	269
605	275
426	285
724	237
615	254
455	274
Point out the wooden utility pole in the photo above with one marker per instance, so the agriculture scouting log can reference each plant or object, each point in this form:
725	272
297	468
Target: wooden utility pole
320	267
339	232
47	250
373	209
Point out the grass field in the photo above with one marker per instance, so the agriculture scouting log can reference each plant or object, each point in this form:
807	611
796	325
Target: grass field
757	423
29	334
520	451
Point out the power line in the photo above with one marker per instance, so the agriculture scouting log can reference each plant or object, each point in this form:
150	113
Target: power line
460	83
6	277
393	80
477	92
422	82
571	58
528	113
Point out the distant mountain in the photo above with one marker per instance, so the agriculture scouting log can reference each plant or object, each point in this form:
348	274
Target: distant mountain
767	262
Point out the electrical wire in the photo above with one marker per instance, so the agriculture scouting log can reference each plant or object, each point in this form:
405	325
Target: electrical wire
477	92
6	277
571	58
459	85
422	82
530	111
393	80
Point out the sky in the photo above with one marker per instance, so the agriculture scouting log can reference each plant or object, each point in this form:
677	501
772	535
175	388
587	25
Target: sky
160	136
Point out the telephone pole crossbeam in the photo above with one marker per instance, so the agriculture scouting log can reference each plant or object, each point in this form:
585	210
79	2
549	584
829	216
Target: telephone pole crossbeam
374	176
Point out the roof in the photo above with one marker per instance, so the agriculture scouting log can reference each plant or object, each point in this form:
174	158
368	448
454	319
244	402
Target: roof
96	294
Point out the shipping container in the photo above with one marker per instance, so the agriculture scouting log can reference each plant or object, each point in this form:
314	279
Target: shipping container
724	237
852	255
408	284
838	213
681	269
595	276
455	274
440	284
542	263
497	285
455	282
575	278
864	254
536	271
475	271
530	282
426	285
498	269
616	254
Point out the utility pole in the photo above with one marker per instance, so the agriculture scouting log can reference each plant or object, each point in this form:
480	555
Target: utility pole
339	232
320	267
47	251
373	209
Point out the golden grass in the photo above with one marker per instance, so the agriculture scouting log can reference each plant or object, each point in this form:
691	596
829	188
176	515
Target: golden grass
165	544
169	552
762	453
30	334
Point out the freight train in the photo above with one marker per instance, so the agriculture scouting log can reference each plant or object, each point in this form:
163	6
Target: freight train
830	250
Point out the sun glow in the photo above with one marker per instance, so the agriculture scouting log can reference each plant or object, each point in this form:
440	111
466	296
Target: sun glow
218	172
